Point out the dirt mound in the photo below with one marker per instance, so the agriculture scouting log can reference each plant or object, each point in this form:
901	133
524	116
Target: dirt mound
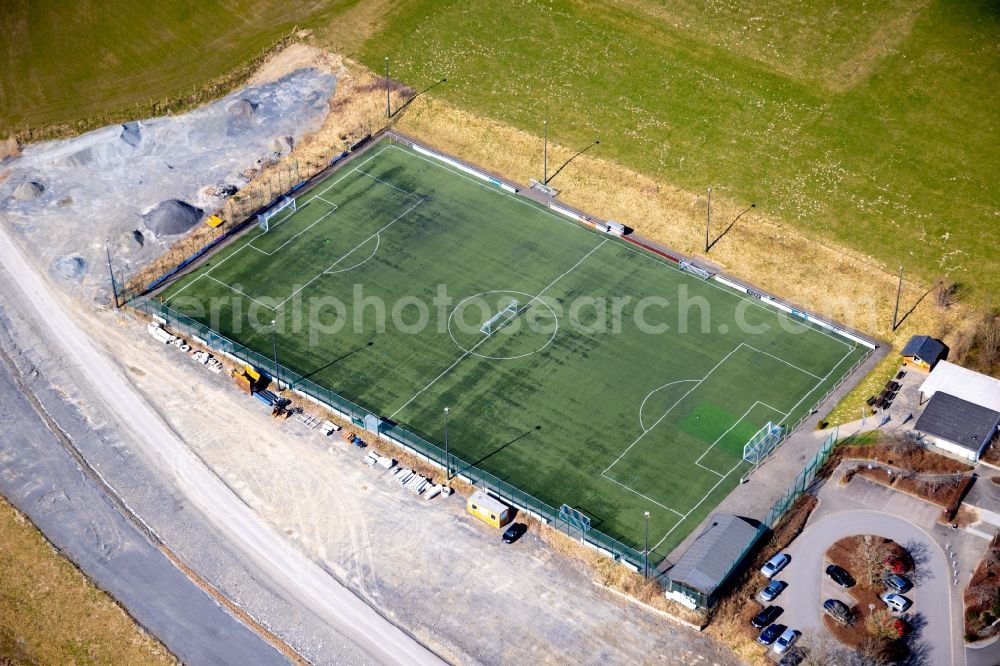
70	269
242	108
171	217
28	190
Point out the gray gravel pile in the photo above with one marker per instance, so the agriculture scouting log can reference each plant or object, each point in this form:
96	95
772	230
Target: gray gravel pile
159	176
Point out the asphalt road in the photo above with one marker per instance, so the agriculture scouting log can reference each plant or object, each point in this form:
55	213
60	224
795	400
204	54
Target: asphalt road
41	479
808	586
286	568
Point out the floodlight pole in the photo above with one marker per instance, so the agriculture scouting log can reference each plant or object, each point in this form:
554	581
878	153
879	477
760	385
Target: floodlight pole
545	154
114	285
645	552
388	111
274	353
708	218
447	455
899	291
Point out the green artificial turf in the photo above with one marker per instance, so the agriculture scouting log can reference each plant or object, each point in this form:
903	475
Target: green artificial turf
572	401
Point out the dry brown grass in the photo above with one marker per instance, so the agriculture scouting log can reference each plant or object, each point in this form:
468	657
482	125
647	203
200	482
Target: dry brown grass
50	613
730	623
831	281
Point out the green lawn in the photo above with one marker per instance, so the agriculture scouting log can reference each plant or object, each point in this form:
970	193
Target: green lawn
622	385
871	124
69	61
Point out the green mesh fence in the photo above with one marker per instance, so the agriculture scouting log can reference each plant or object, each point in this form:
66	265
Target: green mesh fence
396	434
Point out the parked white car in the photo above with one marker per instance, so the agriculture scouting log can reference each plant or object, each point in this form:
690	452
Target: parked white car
785	641
896	602
775	564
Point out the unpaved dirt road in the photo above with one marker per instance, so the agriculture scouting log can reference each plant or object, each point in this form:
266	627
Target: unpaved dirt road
286	567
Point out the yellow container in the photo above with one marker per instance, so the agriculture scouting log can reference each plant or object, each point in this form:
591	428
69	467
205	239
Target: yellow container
491	511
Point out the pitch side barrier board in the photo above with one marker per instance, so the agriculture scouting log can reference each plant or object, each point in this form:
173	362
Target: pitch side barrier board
467	169
799	314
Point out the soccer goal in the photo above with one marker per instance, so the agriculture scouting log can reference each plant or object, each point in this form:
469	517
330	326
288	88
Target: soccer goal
264	219
574	517
688	267
762	443
500	319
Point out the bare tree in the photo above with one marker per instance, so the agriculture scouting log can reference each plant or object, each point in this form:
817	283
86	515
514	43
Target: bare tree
984	594
819	648
947	293
872	652
871	556
989	341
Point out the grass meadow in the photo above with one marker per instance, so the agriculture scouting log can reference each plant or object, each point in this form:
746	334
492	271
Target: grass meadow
867	124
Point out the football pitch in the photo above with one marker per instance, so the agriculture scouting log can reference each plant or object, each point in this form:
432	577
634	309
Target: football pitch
574	366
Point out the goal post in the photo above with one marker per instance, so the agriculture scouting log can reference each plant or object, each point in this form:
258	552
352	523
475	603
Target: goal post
688	267
264	219
500	319
574	518
762	443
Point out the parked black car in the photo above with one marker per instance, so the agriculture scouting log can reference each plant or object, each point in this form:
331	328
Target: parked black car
766	617
896	582
838	610
514	532
840	576
770	634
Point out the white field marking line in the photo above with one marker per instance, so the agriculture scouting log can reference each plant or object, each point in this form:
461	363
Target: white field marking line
781	360
328	203
756	303
385	182
664	415
349	253
234	289
700	502
735	423
490	335
650	499
820	382
521	200
308	197
650	394
272	252
378	241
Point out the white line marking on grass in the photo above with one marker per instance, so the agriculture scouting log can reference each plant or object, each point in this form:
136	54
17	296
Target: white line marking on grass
234	289
490	335
679	400
662	506
326	201
320	219
735	423
378	241
650	394
781	360
385	182
350	252
489	188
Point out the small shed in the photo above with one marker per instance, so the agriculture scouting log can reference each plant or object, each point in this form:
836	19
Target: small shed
923	351
958	426
488	509
716	553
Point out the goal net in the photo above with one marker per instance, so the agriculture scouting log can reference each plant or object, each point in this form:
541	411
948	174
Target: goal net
688	267
762	443
285	203
574	517
500	319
